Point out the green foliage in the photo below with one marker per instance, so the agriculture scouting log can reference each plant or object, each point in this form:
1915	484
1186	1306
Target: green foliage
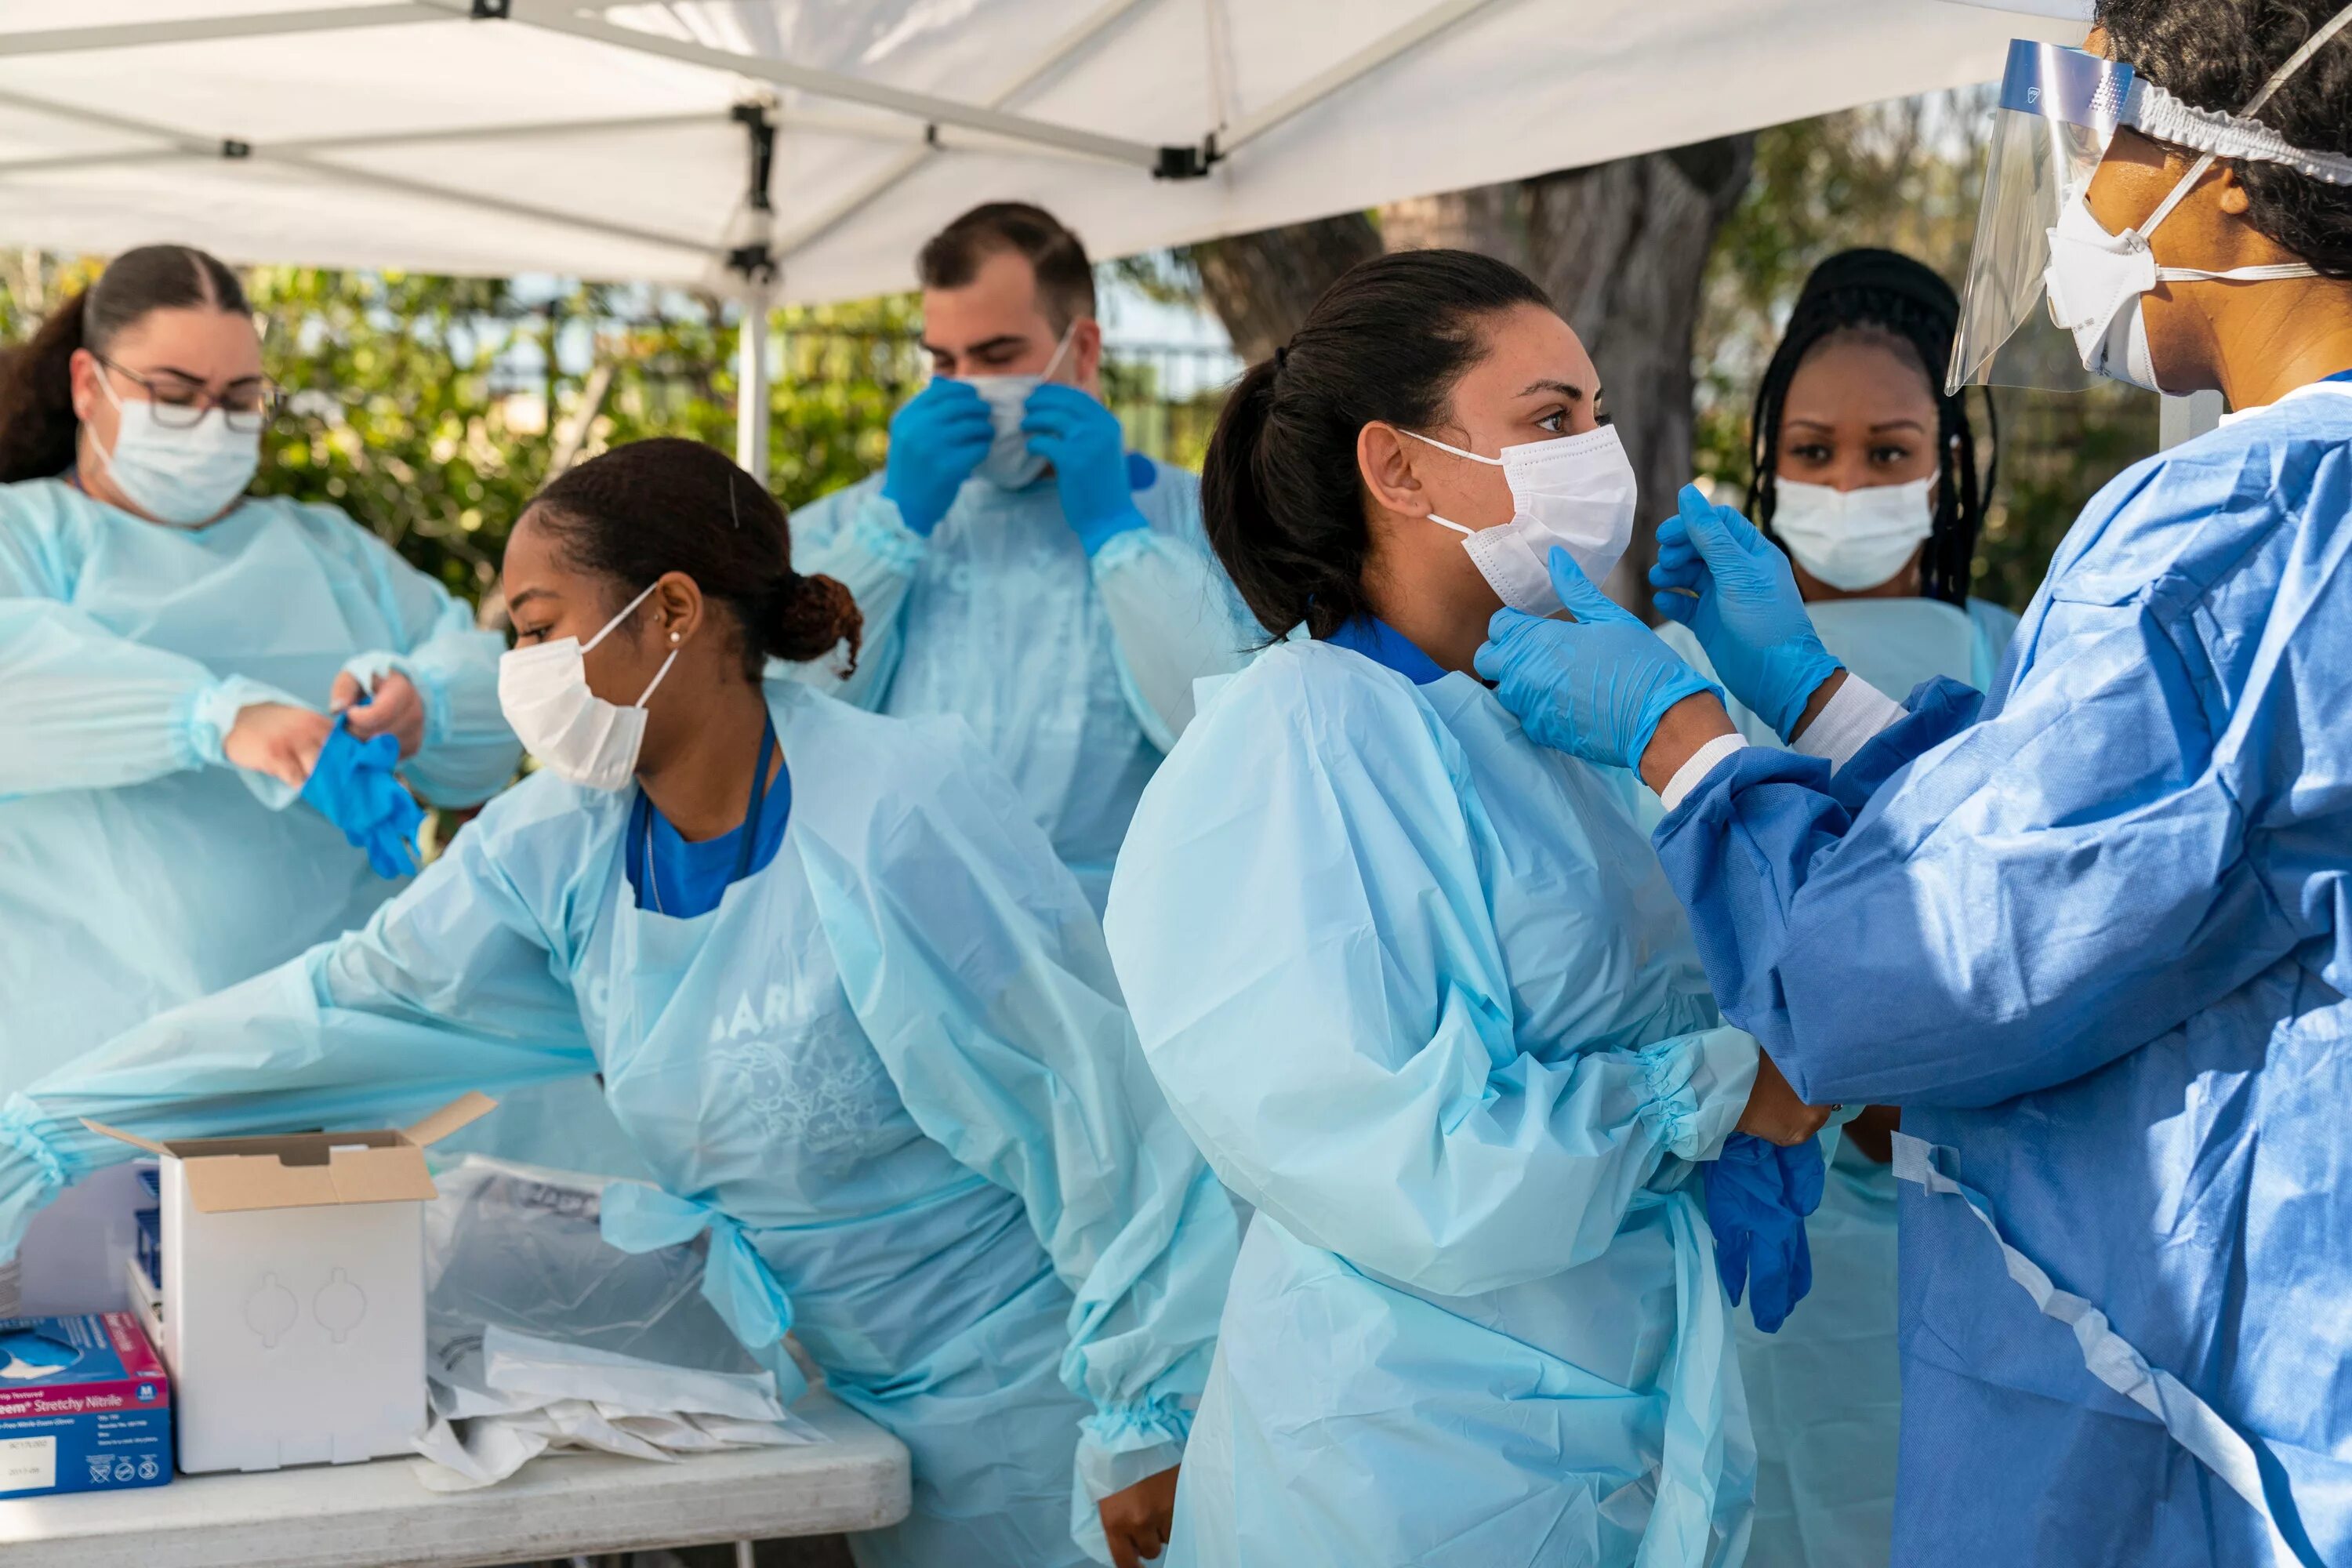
1903	176
433	408
391	412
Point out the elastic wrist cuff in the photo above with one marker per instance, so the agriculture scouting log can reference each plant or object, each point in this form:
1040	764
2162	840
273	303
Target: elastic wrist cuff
1854	713
1691	773
1117	549
368	669
1102	535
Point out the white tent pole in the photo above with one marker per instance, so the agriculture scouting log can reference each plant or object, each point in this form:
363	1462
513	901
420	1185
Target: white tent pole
557	17
198	147
198	29
1368	58
1071	44
755	262
752	388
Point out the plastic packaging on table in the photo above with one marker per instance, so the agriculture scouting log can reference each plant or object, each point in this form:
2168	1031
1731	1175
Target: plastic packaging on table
542	1336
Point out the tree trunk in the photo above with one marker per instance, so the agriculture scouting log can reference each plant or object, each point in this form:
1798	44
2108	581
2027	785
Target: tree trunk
1622	249
1262	285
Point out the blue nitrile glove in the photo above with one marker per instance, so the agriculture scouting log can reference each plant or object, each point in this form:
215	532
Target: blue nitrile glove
1757	1196
936	442
353	786
1084	442
1718	574
1595	687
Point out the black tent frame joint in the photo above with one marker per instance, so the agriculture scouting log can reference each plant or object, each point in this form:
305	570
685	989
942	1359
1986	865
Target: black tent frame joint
1188	163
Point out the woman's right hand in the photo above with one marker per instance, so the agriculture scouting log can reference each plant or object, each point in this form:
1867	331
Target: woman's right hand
1775	1113
280	740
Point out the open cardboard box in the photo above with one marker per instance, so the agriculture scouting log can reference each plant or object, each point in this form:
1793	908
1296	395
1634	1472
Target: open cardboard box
293	1299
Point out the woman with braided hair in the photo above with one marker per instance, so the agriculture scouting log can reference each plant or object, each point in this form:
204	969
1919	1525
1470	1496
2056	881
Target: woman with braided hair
850	1010
1867	475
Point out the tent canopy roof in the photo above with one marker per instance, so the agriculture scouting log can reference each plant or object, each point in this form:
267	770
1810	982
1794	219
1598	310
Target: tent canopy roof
617	142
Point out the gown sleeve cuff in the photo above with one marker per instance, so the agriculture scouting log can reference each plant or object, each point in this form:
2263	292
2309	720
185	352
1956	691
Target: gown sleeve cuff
1691	773
211	713
883	533
31	1174
1120	1445
1698	1087
32	1149
367	668
1117	549
1847	721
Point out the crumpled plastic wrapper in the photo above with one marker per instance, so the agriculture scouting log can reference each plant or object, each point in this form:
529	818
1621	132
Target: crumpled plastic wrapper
542	1338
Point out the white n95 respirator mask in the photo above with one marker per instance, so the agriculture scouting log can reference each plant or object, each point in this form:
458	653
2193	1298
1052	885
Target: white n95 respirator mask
574	733
1573	491
1010	463
1854	538
2098	283
183	477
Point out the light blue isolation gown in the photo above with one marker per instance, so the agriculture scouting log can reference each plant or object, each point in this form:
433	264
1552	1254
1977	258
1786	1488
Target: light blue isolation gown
2092	934
1076	674
1825	1391
890	1076
138	869
1417	988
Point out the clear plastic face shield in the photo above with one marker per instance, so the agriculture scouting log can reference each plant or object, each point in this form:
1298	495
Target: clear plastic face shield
2058	109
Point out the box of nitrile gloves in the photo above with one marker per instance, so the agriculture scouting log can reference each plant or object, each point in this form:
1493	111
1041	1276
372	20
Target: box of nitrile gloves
84	1406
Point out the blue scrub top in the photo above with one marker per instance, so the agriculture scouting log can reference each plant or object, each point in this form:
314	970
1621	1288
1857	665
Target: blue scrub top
1387	646
689	879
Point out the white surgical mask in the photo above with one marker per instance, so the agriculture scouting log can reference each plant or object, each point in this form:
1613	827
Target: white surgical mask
544	691
1854	538
2098	283
1010	463
1574	492
185	478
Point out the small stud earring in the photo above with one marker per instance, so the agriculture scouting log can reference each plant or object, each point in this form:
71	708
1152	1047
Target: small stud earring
673	636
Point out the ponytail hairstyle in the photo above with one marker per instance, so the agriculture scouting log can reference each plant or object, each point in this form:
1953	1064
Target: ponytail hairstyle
1879	295
672	505
39	430
1281	496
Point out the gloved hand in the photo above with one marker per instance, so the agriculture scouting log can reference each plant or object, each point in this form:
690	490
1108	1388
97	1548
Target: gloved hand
1757	1196
1084	442
936	442
1746	611
355	787
1595	687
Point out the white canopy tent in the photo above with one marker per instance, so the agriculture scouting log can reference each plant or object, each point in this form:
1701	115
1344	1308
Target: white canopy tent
802	148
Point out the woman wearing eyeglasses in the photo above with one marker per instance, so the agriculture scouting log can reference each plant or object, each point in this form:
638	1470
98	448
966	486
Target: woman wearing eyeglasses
172	656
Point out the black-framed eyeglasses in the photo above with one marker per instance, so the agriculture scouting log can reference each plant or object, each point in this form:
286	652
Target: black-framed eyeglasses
180	402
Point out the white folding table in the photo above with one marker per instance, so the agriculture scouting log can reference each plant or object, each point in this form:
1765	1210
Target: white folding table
378	1516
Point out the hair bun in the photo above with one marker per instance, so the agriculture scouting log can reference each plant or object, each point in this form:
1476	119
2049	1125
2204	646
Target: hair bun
812	617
